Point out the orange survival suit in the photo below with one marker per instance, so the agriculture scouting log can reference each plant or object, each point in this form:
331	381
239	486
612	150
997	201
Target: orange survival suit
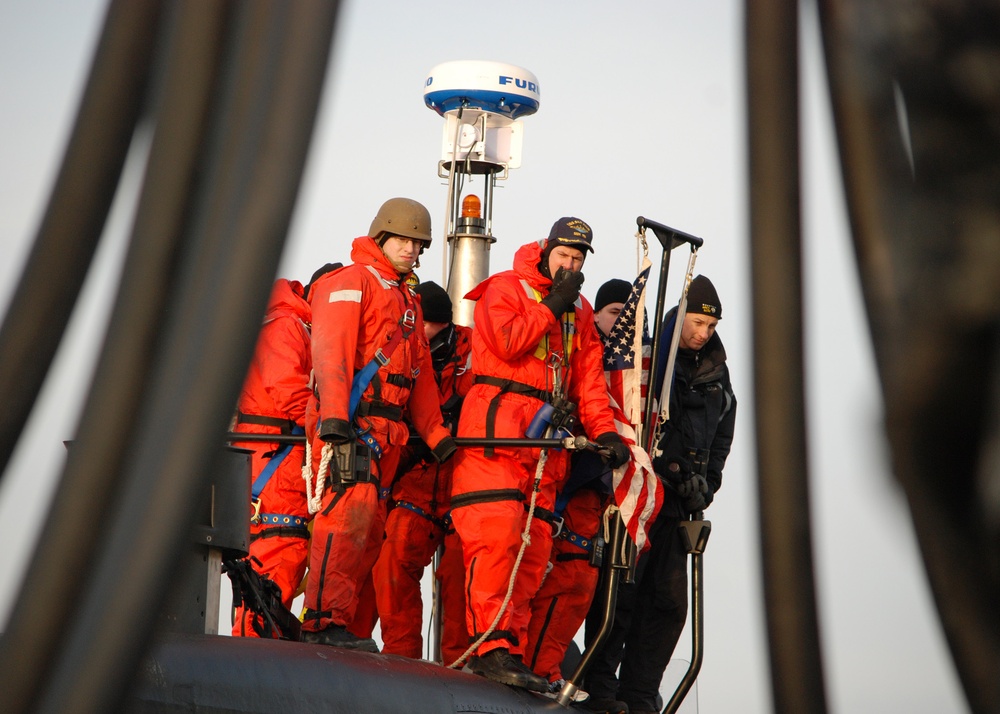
273	401
357	311
519	350
419	522
560	607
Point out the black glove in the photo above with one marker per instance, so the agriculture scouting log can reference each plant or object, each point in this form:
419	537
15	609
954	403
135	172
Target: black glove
335	431
699	500
564	291
695	486
619	453
695	502
445	449
415	452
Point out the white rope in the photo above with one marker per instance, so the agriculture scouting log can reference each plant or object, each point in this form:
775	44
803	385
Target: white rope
316	497
307	474
525	541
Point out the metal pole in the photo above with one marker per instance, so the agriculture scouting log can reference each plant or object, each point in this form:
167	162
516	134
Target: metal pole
695	533
779	389
574	443
437	610
614	564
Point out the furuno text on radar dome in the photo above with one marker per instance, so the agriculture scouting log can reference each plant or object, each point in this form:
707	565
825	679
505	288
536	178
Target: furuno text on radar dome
495	87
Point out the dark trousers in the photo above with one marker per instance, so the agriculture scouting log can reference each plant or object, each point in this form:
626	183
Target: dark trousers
649	617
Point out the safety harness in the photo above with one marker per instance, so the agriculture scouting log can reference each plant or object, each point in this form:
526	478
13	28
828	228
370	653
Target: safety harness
365	375
285	525
442	523
358	408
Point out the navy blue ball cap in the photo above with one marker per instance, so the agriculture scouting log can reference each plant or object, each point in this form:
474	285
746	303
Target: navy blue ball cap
572	232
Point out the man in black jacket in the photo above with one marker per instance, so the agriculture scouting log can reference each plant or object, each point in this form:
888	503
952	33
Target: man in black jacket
689	457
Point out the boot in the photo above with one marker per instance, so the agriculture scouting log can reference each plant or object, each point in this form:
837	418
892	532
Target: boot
499	666
338	636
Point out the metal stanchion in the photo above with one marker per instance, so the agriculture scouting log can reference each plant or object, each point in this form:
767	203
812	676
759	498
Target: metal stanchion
617	553
695	534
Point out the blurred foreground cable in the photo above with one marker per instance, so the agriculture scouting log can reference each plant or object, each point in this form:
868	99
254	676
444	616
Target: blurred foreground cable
779	397
271	60
74	219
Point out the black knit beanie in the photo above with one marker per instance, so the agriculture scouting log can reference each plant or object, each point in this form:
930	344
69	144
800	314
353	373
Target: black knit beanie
320	272
703	299
615	290
435	302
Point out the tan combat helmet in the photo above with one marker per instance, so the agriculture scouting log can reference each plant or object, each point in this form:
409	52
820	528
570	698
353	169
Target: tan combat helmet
402	217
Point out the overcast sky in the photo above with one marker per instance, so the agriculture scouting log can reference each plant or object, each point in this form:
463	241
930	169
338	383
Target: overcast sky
642	113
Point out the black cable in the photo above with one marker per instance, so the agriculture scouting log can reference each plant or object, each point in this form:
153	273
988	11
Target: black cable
229	233
273	73
71	228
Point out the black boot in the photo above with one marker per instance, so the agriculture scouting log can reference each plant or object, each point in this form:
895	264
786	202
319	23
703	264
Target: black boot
338	636
499	666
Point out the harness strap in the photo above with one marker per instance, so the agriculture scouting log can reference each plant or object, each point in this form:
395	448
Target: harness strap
549	517
282	519
506	385
509	385
287	426
496	635
386	411
364	376
366	438
380	359
272	465
280	532
582	542
439	522
398	380
491	496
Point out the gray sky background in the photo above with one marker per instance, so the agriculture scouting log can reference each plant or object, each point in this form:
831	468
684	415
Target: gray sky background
642	113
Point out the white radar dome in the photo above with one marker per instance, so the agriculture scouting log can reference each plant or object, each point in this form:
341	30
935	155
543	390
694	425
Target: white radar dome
494	87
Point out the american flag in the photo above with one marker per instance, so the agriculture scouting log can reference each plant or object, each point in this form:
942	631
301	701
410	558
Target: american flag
638	492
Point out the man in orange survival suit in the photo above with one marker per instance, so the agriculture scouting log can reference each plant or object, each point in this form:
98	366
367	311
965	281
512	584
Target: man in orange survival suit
273	401
365	320
560	607
534	342
418	522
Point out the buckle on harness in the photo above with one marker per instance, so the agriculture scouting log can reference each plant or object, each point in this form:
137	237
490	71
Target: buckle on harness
381	358
557	526
409	320
255	518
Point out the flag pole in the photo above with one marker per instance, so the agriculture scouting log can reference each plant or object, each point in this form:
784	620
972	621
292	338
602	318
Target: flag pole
669	238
